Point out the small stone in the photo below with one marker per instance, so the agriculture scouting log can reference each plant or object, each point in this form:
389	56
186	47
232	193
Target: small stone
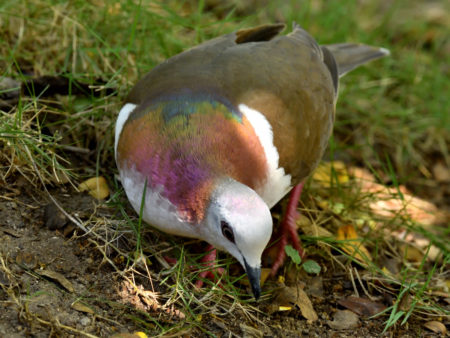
85	321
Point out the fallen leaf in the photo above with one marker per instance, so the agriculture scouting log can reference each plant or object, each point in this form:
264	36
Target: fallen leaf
352	244
249	331
387	202
26	259
411	253
362	306
57	277
314	230
265	273
305	305
436	327
405	302
284	308
287	295
391	266
96	187
327	173
314	287
441	172
80	307
129	335
344	319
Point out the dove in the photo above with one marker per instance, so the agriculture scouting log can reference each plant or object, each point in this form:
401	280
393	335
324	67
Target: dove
211	139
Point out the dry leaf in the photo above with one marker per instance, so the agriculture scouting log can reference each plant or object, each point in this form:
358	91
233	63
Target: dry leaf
265	273
327	172
96	187
287	296
411	253
27	260
57	277
80	307
130	335
249	331
284	308
314	287
387	202
405	302
352	244
141	334
312	229
436	327
362	306
305	305
441	172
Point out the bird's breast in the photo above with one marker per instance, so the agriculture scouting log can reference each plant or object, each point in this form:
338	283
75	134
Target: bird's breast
183	148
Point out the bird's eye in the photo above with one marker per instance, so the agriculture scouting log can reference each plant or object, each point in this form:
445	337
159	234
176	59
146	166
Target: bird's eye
227	231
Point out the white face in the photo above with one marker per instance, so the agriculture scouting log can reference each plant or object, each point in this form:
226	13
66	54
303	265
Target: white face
239	222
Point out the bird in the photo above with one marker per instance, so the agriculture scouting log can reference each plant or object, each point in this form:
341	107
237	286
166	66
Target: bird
211	139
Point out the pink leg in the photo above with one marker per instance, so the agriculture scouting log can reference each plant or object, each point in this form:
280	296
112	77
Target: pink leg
208	261
288	229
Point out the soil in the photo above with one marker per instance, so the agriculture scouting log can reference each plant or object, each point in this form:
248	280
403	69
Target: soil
56	282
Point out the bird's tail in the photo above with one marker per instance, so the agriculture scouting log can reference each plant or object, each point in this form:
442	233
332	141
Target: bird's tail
348	56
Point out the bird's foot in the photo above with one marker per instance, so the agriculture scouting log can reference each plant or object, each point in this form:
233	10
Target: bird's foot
288	230
209	271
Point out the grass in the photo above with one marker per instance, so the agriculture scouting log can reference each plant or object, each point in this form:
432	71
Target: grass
392	118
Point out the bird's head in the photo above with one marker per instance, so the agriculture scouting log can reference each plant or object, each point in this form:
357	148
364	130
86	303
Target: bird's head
239	221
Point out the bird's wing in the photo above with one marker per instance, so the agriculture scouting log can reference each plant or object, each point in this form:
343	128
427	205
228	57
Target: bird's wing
283	77
194	60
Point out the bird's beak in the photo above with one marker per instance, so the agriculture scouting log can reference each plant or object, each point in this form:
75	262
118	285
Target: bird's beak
254	276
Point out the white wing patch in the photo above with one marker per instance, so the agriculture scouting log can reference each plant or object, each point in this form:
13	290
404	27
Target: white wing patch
121	119
278	182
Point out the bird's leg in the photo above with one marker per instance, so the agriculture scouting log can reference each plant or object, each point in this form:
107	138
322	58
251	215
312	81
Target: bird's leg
208	262
288	229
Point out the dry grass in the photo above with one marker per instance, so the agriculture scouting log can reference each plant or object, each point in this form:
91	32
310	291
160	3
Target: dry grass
391	118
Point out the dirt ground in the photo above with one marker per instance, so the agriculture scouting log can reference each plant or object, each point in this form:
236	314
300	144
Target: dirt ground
56	282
